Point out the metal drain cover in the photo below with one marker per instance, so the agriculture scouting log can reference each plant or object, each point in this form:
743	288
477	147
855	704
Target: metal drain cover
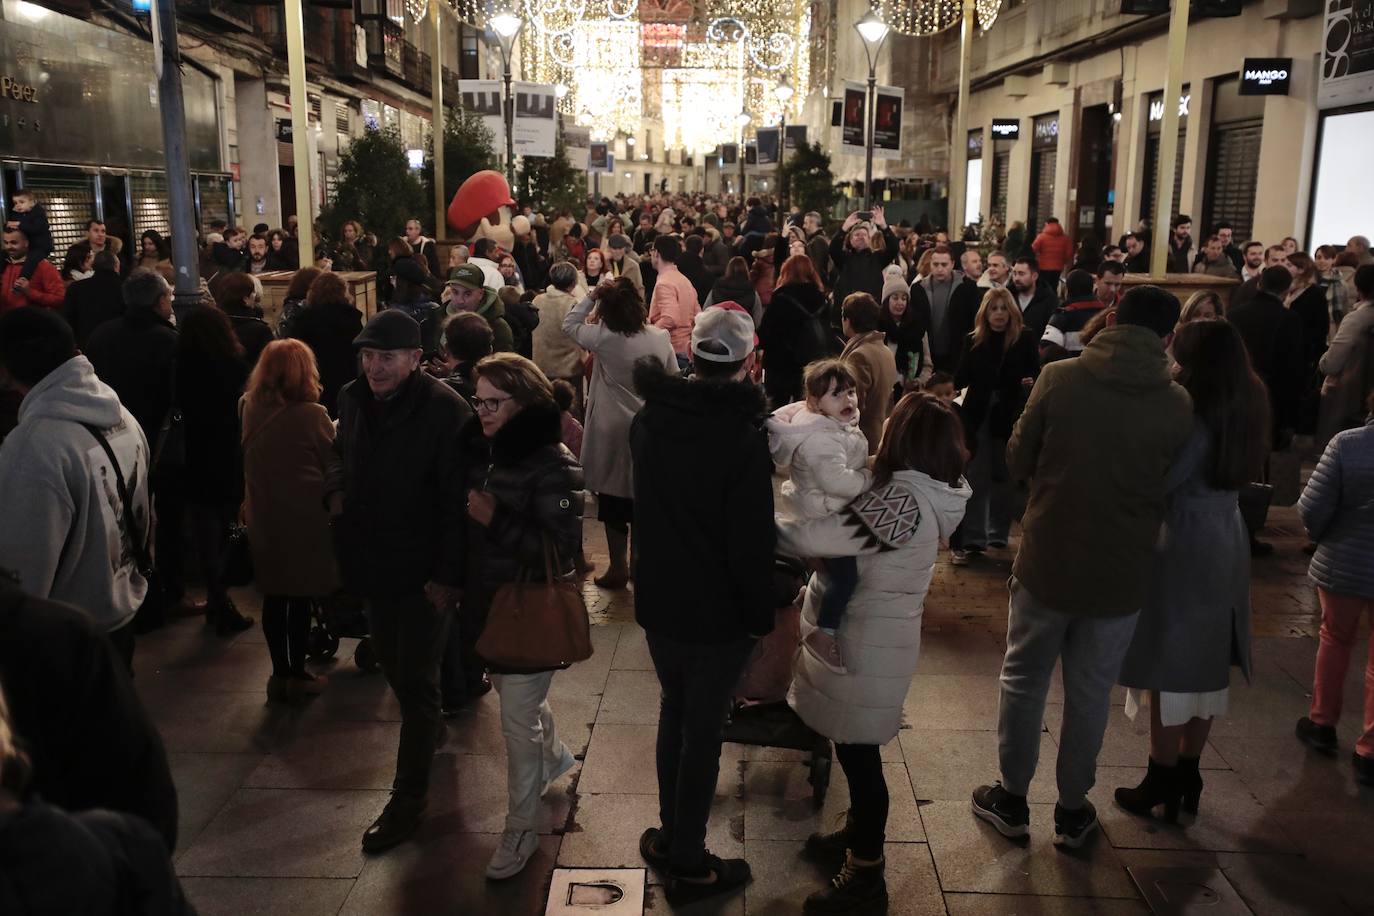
604	891
1188	891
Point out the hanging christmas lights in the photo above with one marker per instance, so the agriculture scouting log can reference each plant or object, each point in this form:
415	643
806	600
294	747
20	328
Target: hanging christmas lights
919	17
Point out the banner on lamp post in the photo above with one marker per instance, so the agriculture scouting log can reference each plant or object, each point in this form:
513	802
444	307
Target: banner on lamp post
852	117
1347	76
796	137
887	122
599	157
577	143
484	98
729	154
536	119
767	140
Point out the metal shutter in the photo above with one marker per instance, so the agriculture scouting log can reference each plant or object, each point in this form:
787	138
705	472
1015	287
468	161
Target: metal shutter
1001	178
1234	176
213	192
1147	198
1043	163
148	196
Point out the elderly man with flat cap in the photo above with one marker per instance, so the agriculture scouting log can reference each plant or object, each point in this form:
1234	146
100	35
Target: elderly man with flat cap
398	503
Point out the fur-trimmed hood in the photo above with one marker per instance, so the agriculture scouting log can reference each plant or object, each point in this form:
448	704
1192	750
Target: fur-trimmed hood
532	429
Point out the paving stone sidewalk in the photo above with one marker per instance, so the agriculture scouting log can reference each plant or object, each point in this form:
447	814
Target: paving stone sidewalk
274	801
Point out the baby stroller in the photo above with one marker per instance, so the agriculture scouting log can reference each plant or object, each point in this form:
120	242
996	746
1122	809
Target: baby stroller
760	715
338	616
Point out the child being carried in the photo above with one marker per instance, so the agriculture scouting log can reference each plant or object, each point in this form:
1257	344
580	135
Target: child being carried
820	441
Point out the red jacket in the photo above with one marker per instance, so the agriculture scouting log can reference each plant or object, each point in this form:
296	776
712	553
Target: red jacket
45	287
1053	249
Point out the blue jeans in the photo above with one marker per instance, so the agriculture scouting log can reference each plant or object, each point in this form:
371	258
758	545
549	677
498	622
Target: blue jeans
842	578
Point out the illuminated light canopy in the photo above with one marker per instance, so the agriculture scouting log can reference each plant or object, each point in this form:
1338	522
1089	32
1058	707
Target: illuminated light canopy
930	17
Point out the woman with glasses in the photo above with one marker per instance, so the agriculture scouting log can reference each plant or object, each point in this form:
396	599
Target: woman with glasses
612	324
525	496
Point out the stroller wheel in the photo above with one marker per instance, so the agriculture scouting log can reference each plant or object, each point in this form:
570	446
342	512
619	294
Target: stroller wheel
820	776
365	657
322	644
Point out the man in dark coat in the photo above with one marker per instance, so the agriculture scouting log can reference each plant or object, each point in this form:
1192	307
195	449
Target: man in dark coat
73	703
135	355
1274	336
692	267
399	503
963	304
95	300
701	629
858	266
1037	301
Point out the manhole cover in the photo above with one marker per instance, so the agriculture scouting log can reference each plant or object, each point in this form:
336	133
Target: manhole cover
605	891
1188	891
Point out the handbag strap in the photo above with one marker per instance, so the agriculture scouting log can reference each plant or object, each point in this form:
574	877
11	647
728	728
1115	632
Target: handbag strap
139	538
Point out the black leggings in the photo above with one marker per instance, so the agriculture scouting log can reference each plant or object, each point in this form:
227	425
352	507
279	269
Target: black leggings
286	625
863	770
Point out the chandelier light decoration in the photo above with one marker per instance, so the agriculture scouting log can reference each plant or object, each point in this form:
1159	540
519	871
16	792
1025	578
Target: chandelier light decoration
684	58
930	17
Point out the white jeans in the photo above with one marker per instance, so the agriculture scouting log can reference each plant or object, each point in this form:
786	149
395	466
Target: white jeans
532	746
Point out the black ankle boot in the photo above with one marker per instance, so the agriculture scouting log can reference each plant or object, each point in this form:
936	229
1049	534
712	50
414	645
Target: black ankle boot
855	889
1159	787
829	848
1189	783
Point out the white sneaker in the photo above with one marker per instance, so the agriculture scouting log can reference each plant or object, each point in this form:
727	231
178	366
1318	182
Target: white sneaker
512	854
565	763
958	557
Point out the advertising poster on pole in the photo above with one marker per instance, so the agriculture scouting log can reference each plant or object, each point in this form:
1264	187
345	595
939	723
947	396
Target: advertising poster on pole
768	145
729	154
852	117
1347	54
796	137
484	98
887	122
577	143
536	120
598	157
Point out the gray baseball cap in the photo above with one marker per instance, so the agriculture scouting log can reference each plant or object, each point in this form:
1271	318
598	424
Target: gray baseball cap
728	326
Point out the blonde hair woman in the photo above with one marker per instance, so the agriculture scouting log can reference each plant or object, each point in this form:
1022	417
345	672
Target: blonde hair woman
287	453
996	373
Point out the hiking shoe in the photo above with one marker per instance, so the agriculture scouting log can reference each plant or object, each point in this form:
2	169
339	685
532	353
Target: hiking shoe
653	850
715	876
854	889
1364	769
1007	812
1071	828
398	821
958	557
1319	737
512	854
829	849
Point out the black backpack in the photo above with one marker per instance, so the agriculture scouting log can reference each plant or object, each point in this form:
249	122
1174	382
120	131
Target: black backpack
814	339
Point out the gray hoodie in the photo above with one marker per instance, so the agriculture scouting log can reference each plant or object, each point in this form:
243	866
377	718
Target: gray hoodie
61	520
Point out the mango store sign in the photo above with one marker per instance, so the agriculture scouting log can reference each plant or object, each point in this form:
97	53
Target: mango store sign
1266	75
1157	107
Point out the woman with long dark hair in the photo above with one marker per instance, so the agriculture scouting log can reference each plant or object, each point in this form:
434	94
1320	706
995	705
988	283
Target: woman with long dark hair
906	326
996	372
919	463
79	263
294	300
240	298
210	376
1307	299
1196	620
327	325
795	330
282	251
736	286
612	324
155	253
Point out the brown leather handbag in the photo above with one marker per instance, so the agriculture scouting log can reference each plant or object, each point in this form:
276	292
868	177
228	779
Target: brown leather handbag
539	625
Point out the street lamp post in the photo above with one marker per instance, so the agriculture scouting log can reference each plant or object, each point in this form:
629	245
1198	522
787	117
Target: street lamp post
784	93
507	27
874	33
742	119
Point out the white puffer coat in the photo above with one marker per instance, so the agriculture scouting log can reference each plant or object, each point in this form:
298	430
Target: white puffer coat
828	459
895	532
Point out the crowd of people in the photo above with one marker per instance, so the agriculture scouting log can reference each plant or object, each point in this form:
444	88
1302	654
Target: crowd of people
918	394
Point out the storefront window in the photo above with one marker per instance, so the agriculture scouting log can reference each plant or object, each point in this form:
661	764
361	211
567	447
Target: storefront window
1344	184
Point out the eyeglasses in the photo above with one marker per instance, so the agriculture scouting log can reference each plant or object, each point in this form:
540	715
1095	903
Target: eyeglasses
488	405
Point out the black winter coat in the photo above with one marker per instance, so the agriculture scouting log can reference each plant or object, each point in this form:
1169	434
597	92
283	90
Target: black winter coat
694	270
91	302
254	333
909	333
963	310
1037	312
537	484
859	271
993	380
402	477
704	529
328	330
94	863
72	702
787	344
207	392
134	355
523	318
1273	335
